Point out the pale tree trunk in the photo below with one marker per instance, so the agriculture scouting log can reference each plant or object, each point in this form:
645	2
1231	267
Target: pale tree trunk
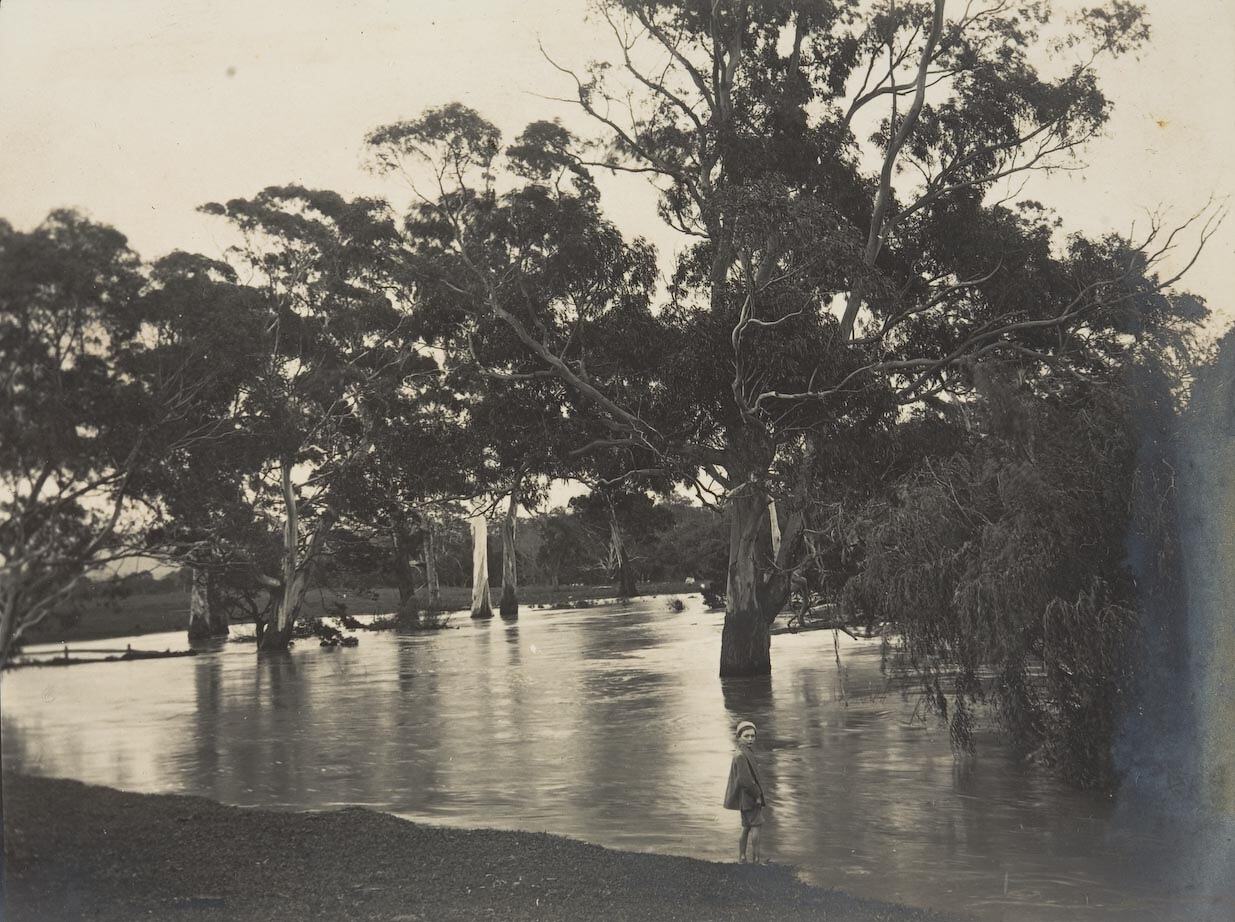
435	592
481	606
206	619
297	569
510	576
620	560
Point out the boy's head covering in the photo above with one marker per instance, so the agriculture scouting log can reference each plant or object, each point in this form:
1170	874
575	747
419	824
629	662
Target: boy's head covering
742	725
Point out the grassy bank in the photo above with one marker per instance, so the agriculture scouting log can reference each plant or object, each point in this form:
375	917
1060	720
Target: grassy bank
155	613
74	851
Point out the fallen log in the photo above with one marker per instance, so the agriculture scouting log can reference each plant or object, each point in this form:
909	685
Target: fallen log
801	628
127	656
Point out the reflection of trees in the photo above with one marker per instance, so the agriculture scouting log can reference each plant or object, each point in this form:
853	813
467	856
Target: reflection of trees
514	658
204	760
280	714
747	698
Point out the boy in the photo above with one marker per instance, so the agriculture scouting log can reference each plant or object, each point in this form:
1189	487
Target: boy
744	792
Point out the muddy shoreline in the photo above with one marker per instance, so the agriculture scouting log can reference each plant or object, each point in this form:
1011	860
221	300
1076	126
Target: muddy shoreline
74	851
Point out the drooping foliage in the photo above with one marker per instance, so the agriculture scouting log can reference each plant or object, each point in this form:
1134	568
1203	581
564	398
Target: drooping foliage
1001	571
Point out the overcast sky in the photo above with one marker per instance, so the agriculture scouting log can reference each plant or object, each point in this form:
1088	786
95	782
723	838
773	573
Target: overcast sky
137	111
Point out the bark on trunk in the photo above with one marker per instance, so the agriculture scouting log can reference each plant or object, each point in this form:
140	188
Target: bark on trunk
510	576
481	606
745	641
206	618
8	615
220	623
435	592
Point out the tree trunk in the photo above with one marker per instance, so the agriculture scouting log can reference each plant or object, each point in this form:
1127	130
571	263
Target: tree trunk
199	603
404	556
510	575
435	592
620	560
220	623
10	599
760	571
296	569
206	619
745	642
481	606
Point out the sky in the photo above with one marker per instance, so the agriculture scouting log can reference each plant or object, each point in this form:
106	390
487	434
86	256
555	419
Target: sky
138	111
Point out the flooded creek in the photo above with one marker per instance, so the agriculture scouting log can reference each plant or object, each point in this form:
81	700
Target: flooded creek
608	725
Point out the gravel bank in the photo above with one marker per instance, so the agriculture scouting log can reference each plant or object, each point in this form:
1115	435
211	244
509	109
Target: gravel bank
74	851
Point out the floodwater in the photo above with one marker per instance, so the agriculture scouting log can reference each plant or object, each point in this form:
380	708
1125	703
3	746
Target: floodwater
610	725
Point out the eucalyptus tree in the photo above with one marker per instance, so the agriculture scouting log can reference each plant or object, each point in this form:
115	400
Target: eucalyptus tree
623	517
844	170
424	460
526	433
560	555
335	362
92	399
840	173
481	258
205	518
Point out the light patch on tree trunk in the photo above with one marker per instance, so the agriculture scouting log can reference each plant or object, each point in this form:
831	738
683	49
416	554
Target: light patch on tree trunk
296	568
481	606
199	604
510	576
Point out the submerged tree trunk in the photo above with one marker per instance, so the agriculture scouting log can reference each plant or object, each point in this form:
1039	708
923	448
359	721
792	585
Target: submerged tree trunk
296	568
759	580
206	618
435	592
510	576
404	561
745	642
481	606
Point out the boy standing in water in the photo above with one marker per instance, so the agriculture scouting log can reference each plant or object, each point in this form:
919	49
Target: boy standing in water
744	792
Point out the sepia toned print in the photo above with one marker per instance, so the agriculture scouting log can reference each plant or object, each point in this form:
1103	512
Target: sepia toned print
479	459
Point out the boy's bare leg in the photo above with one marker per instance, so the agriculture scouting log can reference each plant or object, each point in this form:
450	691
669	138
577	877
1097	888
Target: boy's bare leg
742	844
754	844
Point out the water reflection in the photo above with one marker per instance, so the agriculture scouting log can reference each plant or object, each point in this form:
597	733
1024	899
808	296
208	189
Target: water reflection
608	725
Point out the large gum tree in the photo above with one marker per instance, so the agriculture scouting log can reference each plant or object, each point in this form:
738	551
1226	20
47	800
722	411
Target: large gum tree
845	177
335	363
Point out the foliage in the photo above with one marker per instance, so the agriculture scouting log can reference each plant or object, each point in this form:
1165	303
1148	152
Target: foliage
1001	569
814	298
343	407
92	399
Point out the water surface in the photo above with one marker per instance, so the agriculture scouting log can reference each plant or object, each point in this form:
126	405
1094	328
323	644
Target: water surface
609	725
